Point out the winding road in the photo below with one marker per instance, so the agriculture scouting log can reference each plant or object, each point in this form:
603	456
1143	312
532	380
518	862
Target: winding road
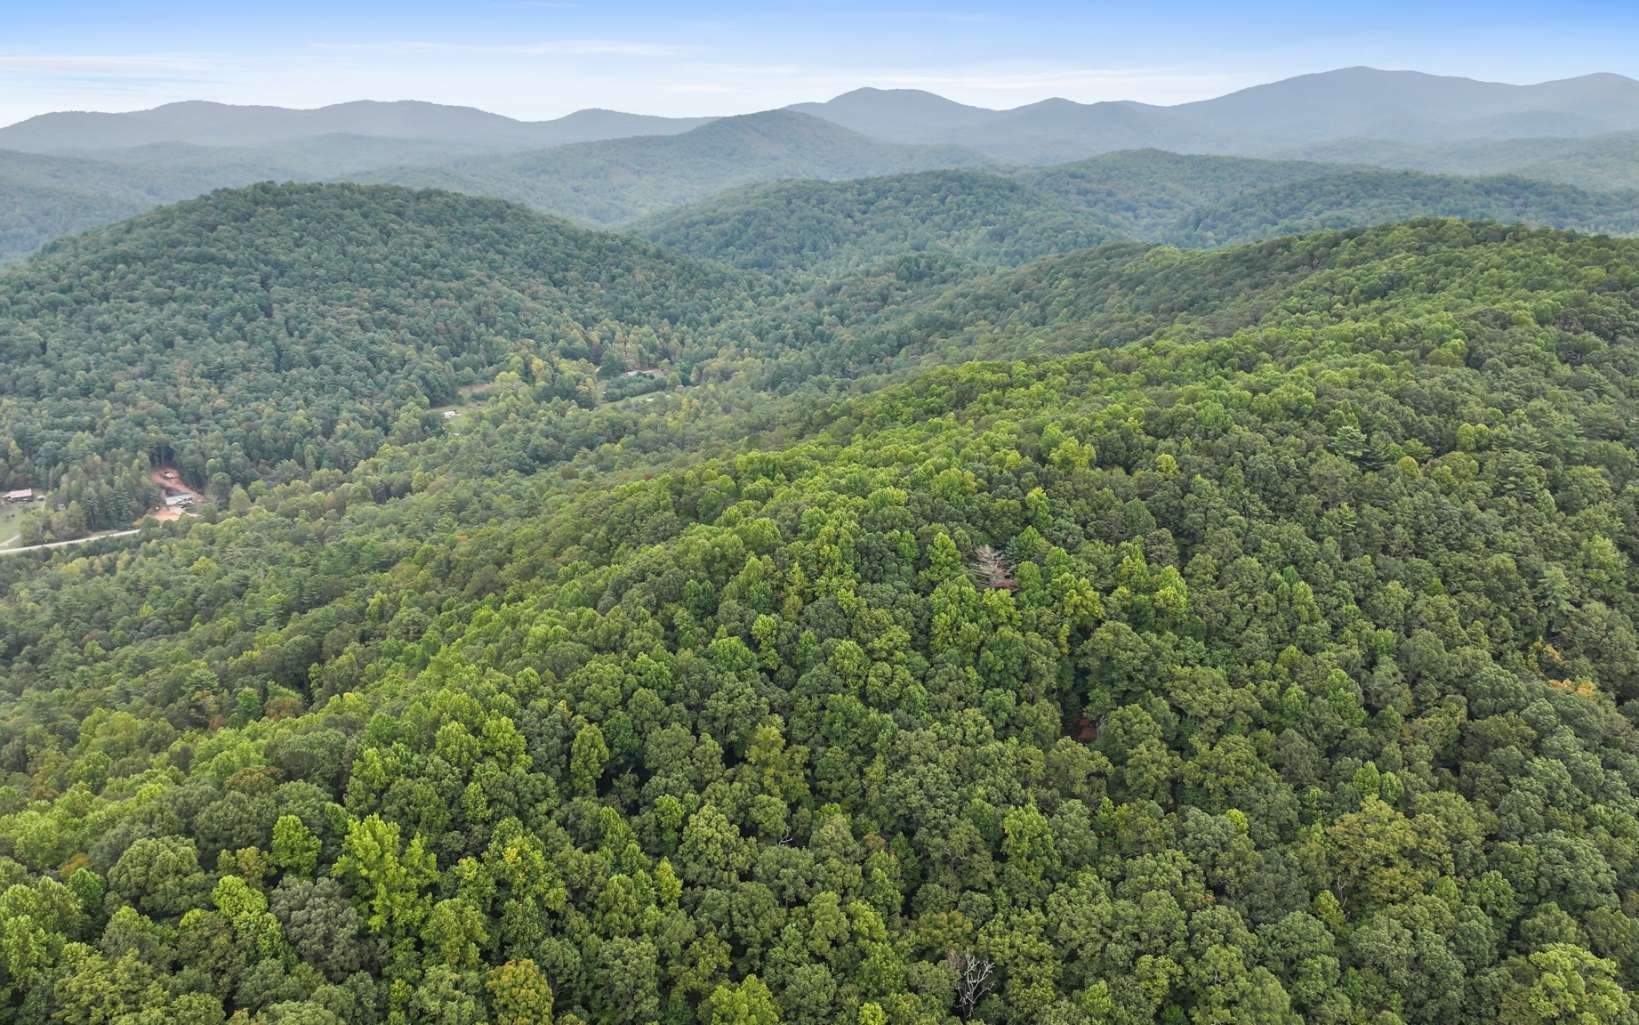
66	544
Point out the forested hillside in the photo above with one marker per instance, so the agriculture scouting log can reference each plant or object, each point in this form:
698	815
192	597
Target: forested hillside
622	179
1000	218
1261	649
101	168
1376	197
32	214
1597	162
45	197
712	188
824	225
1144	193
267	333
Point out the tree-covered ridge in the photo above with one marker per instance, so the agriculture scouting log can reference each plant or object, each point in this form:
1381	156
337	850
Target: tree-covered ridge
620	180
1099	299
826	226
1595	162
224	326
806	205
1009	218
1377	197
1126	293
38	205
1100	688
989	217
46	197
998	218
605	167
266	333
277	330
1144	194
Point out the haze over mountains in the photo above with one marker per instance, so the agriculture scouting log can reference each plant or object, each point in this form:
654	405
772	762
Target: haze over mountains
884	562
1348	103
65	172
221	124
615	180
1003	218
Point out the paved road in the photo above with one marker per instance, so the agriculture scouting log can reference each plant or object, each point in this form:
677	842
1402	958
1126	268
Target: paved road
66	544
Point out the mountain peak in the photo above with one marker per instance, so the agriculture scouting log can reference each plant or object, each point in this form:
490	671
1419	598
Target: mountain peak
902	115
872	92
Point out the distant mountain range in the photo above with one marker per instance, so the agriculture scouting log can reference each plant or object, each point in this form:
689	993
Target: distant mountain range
614	180
1357	103
65	172
1349	103
220	124
607	182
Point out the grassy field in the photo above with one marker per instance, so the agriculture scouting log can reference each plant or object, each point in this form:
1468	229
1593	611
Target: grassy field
11	519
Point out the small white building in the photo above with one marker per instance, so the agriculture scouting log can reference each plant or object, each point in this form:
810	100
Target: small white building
182	501
19	496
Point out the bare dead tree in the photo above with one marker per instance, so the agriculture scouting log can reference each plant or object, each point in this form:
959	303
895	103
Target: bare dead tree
992	569
973	979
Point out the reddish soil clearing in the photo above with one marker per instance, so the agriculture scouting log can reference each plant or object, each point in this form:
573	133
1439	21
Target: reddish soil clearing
168	480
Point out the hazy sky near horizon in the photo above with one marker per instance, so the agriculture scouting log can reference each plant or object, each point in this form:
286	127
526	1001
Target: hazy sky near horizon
543	58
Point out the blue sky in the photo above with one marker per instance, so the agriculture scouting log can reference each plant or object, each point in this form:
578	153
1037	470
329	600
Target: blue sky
543	58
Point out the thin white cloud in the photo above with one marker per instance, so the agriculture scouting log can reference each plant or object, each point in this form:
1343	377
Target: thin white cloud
91	64
549	48
958	17
715	88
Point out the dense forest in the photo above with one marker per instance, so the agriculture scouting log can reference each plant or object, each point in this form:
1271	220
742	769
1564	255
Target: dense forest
263	334
266	333
44	198
1002	219
618	180
732	179
1144	193
49	196
1376	197
1608	161
826	226
1136	635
